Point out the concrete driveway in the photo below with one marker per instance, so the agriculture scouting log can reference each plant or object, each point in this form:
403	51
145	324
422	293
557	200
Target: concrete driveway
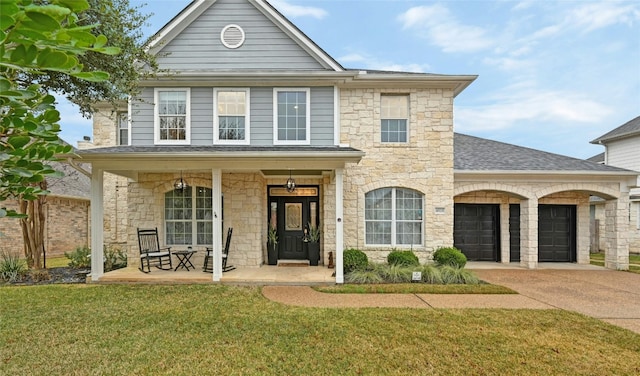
608	295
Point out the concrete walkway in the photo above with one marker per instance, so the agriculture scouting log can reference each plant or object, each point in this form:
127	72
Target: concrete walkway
608	295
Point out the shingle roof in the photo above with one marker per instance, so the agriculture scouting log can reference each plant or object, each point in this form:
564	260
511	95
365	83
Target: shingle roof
72	184
480	154
598	158
212	150
630	128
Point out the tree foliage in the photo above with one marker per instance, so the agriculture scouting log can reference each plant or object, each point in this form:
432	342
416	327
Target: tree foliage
121	24
37	39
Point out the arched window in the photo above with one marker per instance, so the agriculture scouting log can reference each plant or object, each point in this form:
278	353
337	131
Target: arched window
393	216
188	216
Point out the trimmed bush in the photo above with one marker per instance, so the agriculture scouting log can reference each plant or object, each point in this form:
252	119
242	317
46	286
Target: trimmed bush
354	259
450	256
402	258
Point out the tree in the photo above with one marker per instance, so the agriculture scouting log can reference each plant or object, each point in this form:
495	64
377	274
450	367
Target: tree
37	39
122	25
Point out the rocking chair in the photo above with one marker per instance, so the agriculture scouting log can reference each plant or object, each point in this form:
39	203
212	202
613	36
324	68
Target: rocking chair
208	258
150	252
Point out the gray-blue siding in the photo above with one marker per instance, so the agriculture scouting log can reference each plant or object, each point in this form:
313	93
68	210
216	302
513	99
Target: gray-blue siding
266	47
261	116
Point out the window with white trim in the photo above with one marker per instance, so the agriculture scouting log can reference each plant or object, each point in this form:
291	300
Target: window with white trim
172	116
231	116
291	116
393	217
123	128
188	216
394	118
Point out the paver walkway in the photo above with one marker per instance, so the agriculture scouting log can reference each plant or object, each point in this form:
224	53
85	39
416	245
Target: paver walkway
608	295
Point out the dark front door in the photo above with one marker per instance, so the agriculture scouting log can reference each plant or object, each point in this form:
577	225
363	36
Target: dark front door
557	233
293	218
476	231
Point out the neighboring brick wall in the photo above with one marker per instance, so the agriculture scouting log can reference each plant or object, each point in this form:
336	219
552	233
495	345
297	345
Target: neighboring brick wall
67	227
424	164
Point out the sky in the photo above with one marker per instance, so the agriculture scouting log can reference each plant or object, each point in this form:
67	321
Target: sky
552	75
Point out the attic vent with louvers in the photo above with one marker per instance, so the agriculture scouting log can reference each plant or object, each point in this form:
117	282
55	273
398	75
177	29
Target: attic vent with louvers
232	36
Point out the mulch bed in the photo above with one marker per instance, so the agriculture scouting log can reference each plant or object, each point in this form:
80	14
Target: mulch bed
55	276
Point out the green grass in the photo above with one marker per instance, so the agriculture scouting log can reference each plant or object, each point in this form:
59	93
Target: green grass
414	288
634	261
57	262
224	330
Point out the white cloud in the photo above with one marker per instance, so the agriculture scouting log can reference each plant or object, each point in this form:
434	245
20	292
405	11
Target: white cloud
366	61
594	16
511	107
291	10
441	28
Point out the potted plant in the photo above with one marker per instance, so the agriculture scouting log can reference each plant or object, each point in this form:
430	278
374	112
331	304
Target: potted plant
272	243
313	238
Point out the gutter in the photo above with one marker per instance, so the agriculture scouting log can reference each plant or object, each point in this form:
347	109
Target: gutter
81	170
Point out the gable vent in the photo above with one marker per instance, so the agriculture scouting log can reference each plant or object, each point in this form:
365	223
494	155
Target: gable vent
232	36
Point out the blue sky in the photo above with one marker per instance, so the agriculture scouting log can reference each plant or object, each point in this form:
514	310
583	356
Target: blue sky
553	75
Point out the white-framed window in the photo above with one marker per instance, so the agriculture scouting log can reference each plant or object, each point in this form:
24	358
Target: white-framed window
231	116
291	116
123	128
172	116
188	216
393	217
394	118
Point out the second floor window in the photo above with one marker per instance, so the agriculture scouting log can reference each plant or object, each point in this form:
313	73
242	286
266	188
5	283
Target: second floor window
394	116
231	116
291	117
123	128
172	116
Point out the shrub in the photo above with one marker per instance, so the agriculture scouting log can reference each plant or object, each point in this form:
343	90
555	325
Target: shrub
450	256
403	258
80	258
354	259
454	275
12	267
114	258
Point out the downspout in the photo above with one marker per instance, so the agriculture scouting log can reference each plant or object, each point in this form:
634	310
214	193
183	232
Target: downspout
73	164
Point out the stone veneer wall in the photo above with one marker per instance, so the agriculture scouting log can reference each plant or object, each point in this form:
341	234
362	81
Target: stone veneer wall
114	187
67	227
634	226
424	164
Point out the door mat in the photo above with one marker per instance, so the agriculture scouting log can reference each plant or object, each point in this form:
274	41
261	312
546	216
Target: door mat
293	264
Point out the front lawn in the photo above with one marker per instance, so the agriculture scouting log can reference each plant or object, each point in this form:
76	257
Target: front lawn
224	330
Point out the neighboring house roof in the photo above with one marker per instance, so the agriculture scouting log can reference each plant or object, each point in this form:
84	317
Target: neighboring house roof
628	129
598	158
73	184
480	154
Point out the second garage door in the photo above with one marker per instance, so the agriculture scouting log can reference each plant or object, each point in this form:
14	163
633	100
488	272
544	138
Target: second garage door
556	233
476	231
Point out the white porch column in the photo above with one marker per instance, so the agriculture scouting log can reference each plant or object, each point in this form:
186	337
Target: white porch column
339	225
216	191
529	233
505	236
616	253
97	224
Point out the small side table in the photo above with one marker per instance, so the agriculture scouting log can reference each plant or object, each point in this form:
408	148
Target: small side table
184	259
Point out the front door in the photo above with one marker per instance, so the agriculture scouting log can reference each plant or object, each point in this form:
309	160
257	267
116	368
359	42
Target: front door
294	213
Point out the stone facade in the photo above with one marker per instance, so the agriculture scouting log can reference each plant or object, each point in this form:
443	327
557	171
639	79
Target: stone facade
424	164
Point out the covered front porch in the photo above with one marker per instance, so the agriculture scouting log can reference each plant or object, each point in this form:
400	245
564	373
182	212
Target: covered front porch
228	188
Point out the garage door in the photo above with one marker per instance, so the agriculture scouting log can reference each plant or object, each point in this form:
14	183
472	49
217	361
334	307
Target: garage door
556	233
514	232
476	231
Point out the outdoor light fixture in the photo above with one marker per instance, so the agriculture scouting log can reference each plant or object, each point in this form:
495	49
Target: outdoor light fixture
179	184
291	184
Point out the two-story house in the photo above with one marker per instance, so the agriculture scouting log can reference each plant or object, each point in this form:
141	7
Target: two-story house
266	129
622	149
